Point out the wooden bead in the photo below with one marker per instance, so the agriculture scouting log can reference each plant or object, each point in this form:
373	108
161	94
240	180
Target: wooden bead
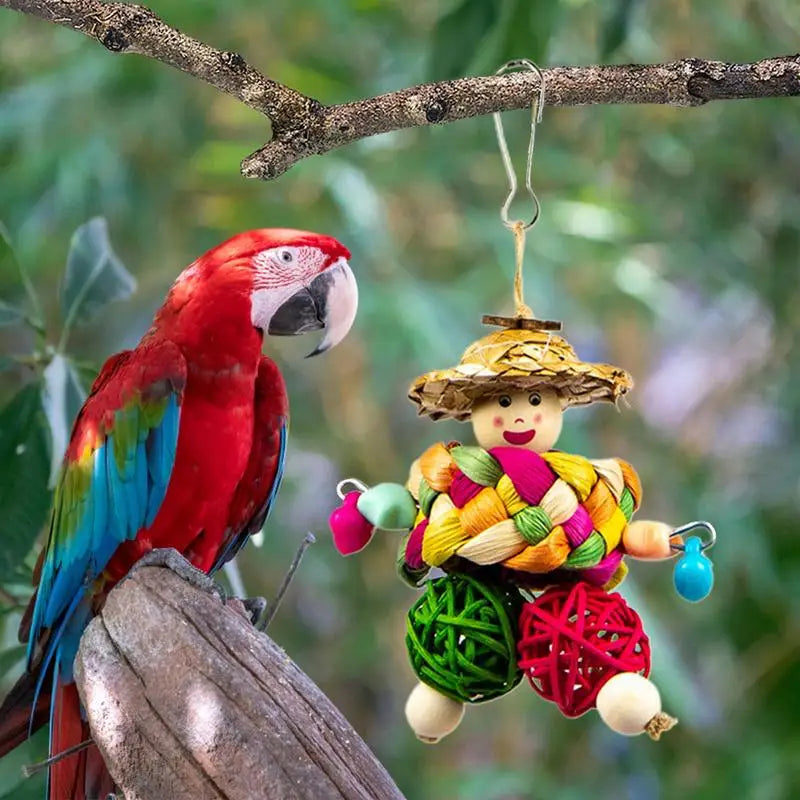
647	539
627	702
431	714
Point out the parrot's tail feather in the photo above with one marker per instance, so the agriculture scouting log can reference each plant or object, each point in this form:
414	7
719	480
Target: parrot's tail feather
67	779
18	716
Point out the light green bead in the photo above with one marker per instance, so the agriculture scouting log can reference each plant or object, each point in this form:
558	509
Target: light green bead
389	506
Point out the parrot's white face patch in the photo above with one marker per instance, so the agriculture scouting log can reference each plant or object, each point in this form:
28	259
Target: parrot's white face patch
283	266
279	273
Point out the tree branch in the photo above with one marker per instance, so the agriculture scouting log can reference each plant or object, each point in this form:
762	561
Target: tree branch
187	700
302	126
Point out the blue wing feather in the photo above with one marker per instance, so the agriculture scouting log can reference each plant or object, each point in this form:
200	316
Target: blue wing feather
99	503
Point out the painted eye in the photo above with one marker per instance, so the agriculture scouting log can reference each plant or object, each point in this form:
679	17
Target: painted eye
504	400
286	256
534	398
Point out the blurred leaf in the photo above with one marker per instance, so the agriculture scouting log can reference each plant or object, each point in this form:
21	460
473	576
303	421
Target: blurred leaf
10	314
24	468
529	26
13	784
10	657
94	276
62	397
6	362
615	27
458	34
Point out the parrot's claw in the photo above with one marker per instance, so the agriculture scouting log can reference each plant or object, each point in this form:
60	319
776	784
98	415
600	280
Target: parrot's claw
175	562
255	607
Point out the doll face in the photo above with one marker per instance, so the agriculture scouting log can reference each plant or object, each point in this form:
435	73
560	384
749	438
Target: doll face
521	419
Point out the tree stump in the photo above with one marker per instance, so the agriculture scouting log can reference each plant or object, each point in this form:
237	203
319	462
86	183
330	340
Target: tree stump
188	701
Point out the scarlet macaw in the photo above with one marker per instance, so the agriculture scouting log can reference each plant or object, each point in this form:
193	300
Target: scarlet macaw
180	444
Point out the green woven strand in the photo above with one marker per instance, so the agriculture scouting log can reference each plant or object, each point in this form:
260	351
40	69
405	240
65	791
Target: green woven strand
427	495
533	523
588	553
626	503
461	638
478	465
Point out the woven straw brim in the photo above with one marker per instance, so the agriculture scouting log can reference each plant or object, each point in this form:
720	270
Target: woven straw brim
516	360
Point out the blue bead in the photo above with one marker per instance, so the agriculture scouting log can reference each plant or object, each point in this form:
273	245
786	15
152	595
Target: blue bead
694	573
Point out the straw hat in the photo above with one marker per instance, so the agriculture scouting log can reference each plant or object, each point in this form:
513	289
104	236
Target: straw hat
516	359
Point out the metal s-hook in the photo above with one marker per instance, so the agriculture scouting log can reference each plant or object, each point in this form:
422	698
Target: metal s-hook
537	108
711	534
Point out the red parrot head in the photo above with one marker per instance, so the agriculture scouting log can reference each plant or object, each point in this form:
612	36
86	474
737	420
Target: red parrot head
297	281
303	283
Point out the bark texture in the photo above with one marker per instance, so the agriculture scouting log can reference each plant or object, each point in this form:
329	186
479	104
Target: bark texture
303	126
188	701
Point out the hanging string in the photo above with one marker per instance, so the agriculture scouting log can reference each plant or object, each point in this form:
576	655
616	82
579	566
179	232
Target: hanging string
520	307
518	227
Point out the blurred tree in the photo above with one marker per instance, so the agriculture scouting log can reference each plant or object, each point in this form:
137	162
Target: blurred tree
668	243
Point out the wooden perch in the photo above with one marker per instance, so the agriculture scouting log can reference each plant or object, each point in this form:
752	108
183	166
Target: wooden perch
188	701
303	126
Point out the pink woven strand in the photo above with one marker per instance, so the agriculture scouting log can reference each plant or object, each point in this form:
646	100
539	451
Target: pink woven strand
578	527
414	546
601	573
528	471
462	489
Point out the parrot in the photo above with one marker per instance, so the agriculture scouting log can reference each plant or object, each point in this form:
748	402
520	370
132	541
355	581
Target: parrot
180	444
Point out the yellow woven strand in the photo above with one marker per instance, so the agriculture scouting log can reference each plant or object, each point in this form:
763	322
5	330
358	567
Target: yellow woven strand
493	545
559	502
611	530
442	539
577	471
611	472
617	578
441	506
508	494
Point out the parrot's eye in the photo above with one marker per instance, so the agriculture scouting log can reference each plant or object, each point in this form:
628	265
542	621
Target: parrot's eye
534	398
504	400
286	255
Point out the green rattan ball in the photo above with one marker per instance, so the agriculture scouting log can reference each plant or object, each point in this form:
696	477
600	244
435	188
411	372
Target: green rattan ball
462	638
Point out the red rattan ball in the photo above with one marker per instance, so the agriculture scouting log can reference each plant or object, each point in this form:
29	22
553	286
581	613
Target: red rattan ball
572	639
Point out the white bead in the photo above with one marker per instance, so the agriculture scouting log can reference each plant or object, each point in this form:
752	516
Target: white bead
627	702
431	714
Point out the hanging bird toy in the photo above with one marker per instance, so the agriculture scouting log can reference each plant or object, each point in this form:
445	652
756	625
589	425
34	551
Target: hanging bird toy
528	541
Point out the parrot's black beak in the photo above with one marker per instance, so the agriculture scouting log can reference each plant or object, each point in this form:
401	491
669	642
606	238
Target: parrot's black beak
330	301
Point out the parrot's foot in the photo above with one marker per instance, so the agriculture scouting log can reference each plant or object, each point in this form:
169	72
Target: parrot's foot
175	562
255	607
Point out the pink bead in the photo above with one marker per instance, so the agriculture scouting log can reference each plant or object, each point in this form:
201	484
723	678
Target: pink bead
351	531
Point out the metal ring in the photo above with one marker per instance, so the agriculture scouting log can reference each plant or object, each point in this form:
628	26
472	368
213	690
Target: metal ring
690	526
361	487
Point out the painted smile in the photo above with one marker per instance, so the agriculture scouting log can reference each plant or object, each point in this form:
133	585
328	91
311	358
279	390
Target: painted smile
523	437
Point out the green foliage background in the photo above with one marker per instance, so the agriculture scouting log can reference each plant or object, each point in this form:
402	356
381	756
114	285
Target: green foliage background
668	244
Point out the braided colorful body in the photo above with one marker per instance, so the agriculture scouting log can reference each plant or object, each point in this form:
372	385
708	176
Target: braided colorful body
547	518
